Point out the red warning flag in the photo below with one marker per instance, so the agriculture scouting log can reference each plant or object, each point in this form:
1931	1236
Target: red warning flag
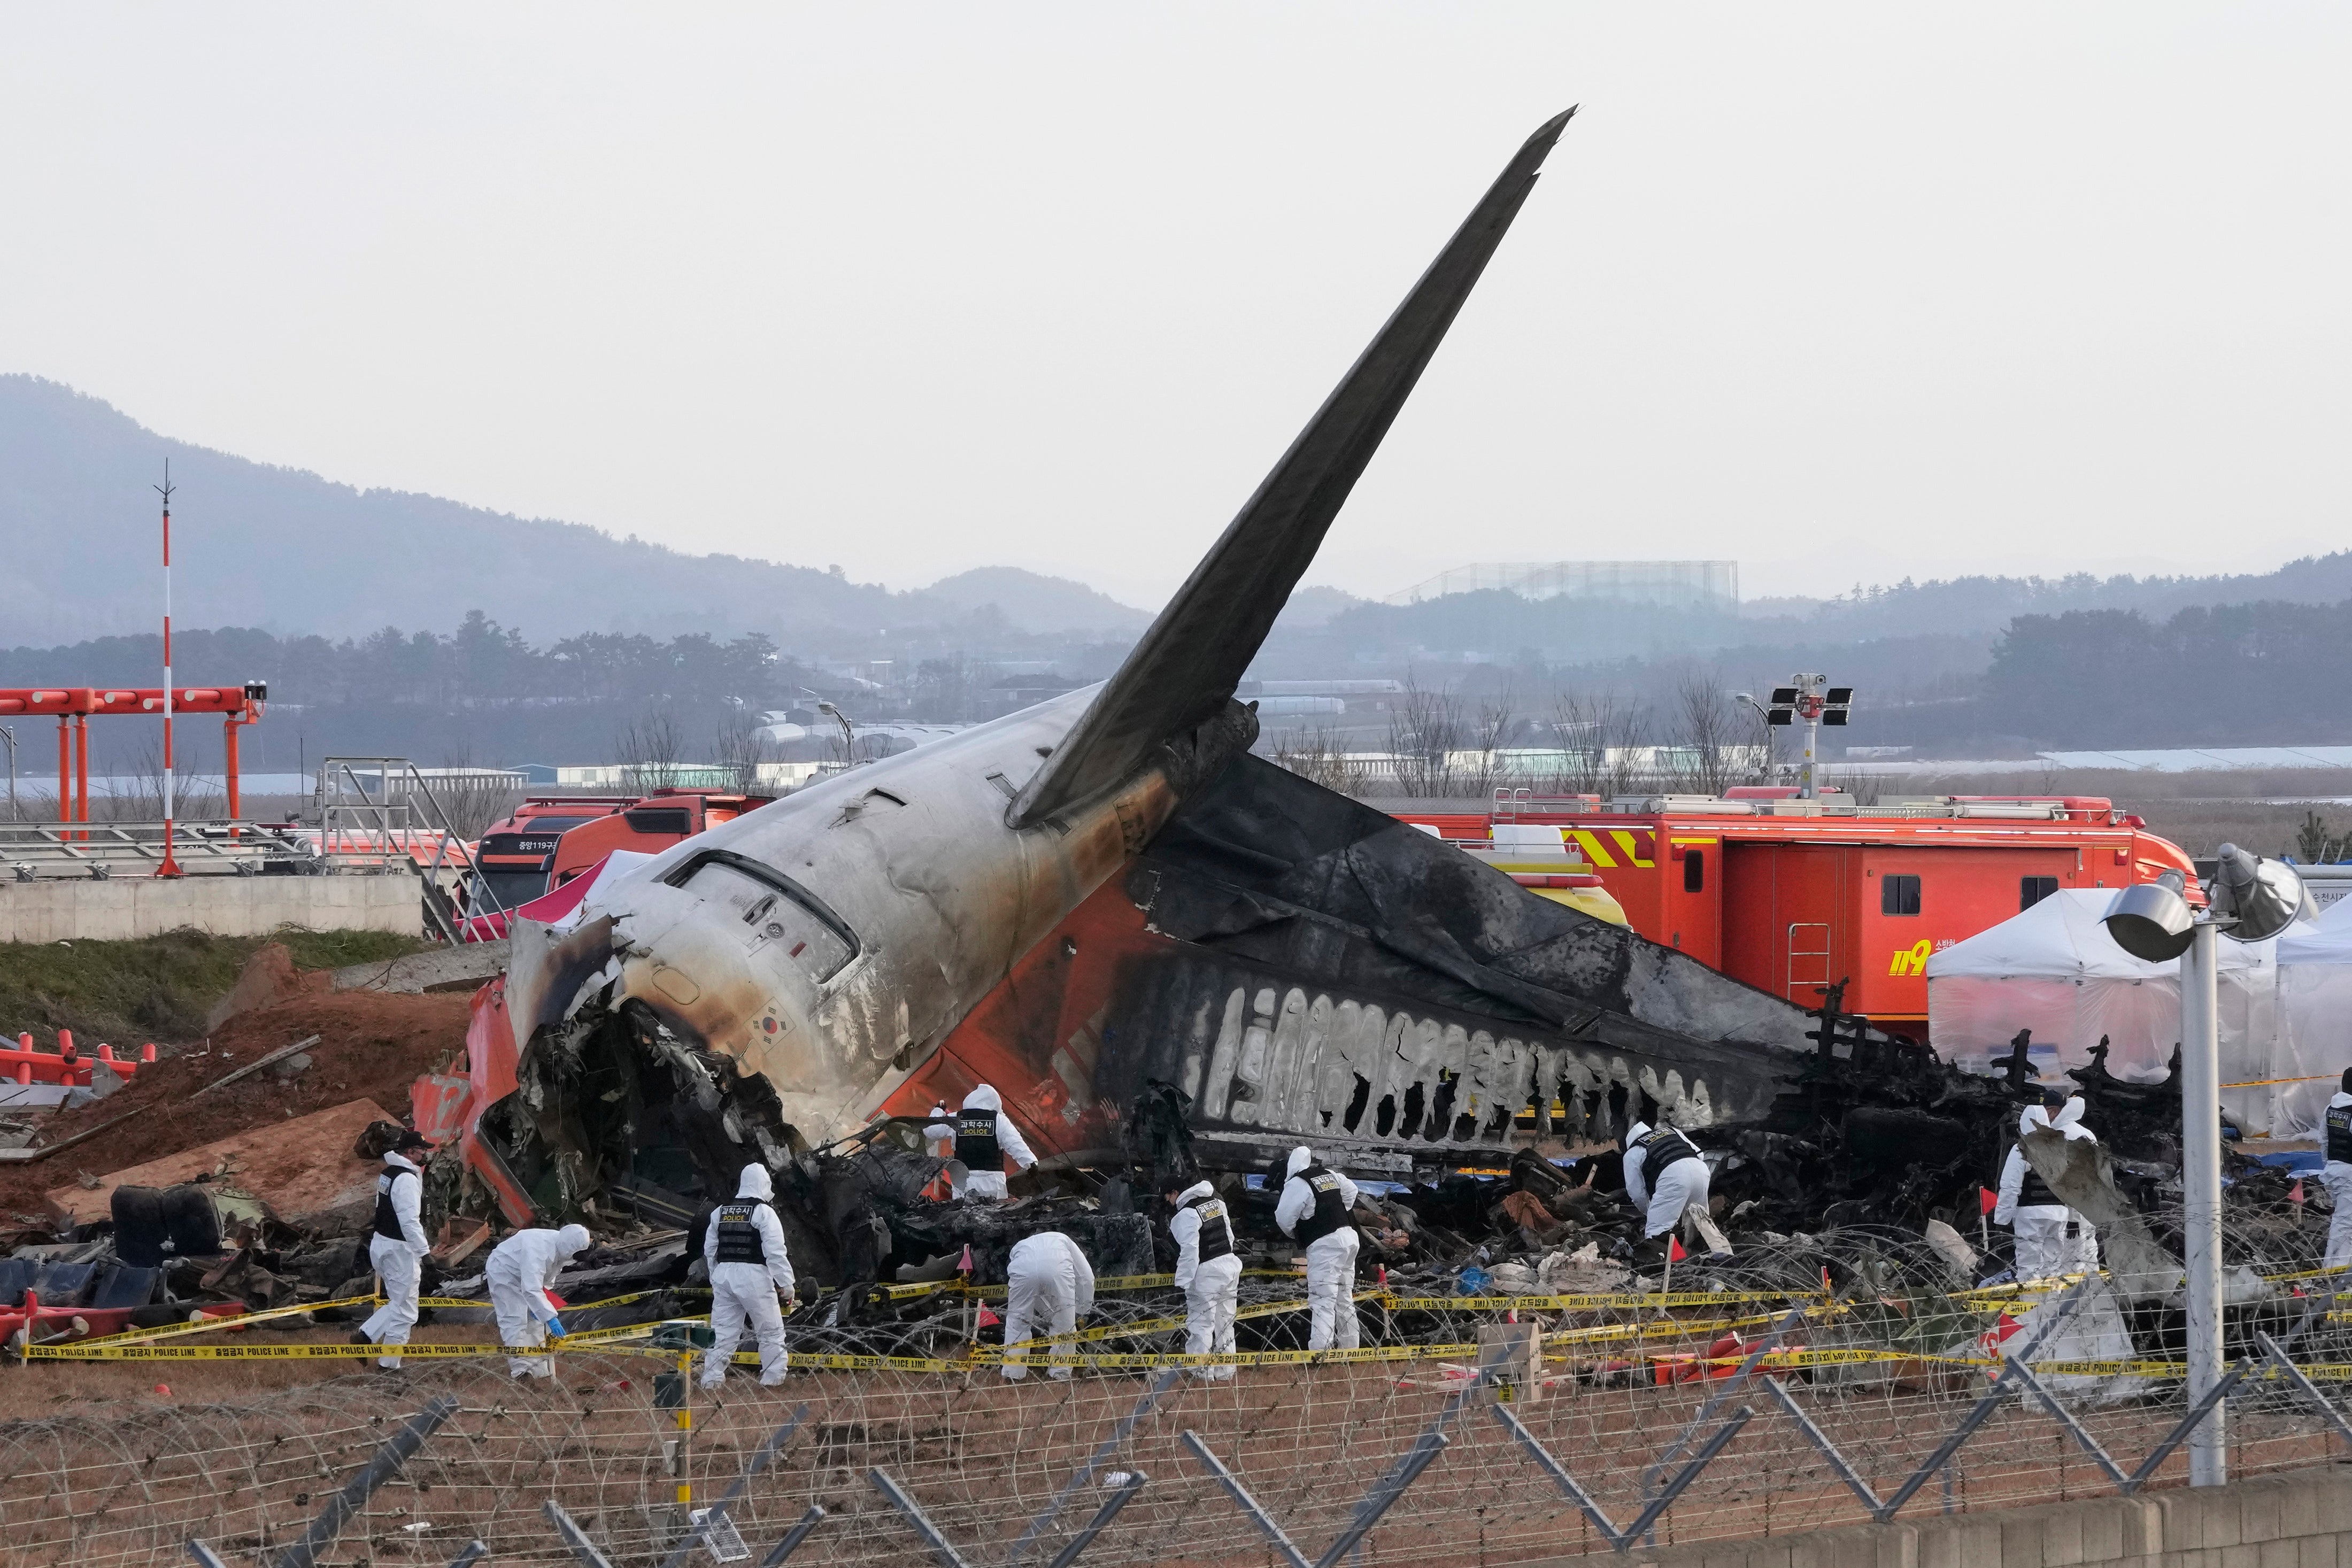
1987	1200
988	1320
1674	1253
965	1267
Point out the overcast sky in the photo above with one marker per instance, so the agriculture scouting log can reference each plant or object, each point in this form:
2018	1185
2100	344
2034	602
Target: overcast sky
1844	294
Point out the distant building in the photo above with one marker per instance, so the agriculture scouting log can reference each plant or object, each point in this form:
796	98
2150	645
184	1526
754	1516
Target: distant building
1687	584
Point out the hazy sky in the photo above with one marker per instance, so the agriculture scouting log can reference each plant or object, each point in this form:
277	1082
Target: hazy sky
1844	293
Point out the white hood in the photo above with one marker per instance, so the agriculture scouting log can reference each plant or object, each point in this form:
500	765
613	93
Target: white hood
755	1183
983	1098
572	1239
1635	1132
1198	1189
1300	1158
2033	1117
2069	1121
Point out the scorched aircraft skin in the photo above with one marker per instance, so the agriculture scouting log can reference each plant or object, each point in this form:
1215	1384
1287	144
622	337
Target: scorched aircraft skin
881	931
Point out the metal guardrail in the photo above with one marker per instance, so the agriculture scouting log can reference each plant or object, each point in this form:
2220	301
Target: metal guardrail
379	811
37	851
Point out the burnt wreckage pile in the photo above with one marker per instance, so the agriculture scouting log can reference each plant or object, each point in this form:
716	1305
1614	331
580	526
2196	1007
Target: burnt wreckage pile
1310	971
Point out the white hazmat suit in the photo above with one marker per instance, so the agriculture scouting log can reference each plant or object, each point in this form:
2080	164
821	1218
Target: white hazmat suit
2045	1247
744	1292
398	1260
1674	1189
2336	1176
520	1271
1331	1259
1211	1289
1048	1287
987	1180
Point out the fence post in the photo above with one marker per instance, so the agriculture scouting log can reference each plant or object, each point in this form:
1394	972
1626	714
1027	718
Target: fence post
574	1537
2277	1354
1123	1490
939	1544
799	1532
1240	1494
386	1463
1111	1445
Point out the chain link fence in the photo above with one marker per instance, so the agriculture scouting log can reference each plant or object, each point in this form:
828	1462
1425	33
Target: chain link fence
1642	1419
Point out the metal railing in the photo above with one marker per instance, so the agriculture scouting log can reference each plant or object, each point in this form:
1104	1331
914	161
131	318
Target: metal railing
375	812
35	851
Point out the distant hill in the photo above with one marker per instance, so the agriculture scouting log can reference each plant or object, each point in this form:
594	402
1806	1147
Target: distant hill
290	552
1033	603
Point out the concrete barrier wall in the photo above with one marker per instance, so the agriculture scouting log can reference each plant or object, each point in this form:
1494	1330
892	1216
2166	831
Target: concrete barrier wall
120	908
2302	1519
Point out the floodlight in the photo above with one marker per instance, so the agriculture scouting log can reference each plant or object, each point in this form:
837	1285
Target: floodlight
2151	922
2265	895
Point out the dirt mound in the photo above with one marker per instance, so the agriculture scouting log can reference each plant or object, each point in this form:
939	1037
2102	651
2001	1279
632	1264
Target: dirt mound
268	979
371	1046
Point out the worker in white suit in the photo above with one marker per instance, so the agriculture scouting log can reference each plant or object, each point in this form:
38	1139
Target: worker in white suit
1314	1209
748	1273
2049	1234
397	1247
1665	1177
1048	1287
986	1137
521	1273
2336	1176
1209	1273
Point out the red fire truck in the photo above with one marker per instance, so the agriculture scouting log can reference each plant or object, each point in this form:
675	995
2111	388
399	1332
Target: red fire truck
1793	895
550	839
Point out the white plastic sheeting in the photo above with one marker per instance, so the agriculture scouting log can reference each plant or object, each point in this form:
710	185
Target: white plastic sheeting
2316	1013
2054	969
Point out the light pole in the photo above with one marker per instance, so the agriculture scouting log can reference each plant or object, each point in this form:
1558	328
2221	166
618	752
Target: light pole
848	732
1763	717
2252	900
8	734
1805	697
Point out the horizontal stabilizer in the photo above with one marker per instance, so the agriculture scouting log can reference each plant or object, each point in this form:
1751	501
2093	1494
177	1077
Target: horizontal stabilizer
1188	665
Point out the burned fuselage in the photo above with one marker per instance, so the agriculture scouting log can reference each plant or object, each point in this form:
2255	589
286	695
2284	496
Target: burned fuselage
827	942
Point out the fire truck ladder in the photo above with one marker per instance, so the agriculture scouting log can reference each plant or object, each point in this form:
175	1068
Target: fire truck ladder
379	813
1809	949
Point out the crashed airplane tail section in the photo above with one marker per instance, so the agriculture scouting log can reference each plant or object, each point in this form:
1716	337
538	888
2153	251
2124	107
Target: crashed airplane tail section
827	943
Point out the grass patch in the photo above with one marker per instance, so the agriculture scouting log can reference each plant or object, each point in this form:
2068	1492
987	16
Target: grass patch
157	988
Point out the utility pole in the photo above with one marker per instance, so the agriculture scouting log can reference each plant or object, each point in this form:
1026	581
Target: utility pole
2200	1197
8	734
169	867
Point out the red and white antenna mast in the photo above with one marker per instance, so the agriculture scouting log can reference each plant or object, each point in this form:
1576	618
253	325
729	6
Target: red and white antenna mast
169	867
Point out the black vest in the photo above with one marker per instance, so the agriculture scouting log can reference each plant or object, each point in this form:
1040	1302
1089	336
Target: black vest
976	1144
1216	1227
2339	1135
1662	1147
739	1238
387	1223
2033	1192
1330	1214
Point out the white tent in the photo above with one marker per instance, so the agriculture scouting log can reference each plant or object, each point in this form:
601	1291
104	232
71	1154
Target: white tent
2314	1018
2054	969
